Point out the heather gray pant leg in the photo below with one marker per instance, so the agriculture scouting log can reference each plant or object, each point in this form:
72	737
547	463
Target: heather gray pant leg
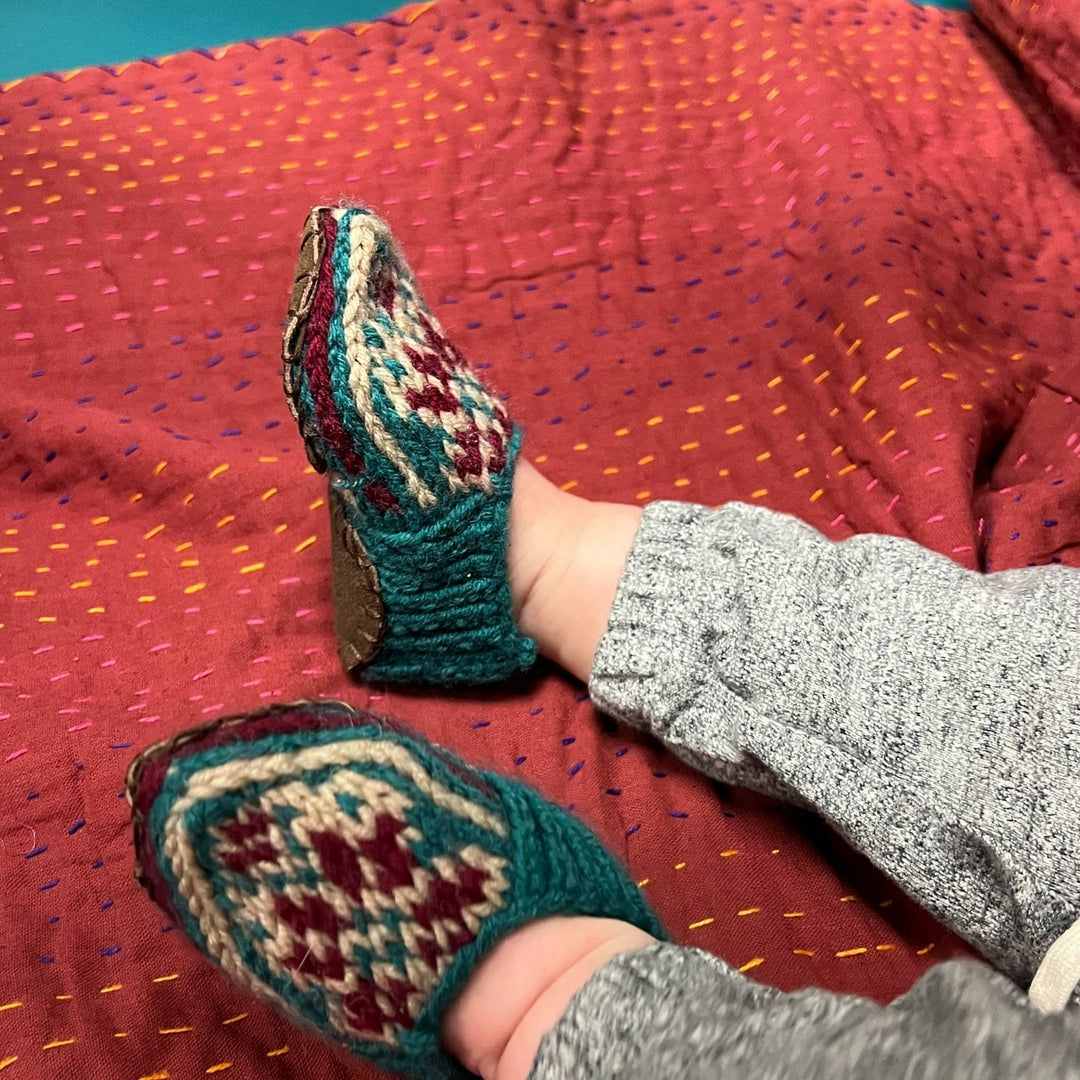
930	714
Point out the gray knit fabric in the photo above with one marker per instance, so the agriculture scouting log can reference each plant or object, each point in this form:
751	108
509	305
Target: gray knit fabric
931	714
668	1013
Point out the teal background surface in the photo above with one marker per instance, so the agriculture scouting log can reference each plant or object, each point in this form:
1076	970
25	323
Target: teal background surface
55	35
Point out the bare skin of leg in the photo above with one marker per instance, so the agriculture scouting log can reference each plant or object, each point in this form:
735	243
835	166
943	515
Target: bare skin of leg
522	988
565	559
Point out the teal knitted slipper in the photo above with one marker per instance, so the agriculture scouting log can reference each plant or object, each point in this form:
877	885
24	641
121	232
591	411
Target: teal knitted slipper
355	876
420	456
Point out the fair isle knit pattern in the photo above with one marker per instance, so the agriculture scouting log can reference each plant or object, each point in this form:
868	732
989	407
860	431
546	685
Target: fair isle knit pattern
353	875
420	455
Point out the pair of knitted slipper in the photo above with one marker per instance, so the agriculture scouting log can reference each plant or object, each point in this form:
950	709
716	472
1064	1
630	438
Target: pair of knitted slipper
349	873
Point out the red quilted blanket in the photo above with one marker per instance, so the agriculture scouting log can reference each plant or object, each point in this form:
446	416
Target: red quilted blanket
816	256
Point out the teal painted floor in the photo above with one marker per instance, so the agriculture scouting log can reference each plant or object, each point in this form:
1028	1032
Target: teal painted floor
55	35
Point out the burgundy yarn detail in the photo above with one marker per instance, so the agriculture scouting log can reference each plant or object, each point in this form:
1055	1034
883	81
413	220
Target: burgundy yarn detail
380	496
315	357
386	291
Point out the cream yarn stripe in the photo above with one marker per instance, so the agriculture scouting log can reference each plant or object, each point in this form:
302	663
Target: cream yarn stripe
361	249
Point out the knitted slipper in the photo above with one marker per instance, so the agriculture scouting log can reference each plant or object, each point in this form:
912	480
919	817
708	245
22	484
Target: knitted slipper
420	456
353	875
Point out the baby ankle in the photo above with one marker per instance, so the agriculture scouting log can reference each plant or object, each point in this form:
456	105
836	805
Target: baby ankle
518	1056
520	990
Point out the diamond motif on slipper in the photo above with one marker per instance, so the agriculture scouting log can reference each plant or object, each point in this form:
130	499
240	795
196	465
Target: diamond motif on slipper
296	881
354	875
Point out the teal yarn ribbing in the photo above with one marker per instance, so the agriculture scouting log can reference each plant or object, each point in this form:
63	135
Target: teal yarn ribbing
421	457
449	608
355	875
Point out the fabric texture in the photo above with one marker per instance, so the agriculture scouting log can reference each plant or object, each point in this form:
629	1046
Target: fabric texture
686	238
930	713
669	1011
421	460
354	876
